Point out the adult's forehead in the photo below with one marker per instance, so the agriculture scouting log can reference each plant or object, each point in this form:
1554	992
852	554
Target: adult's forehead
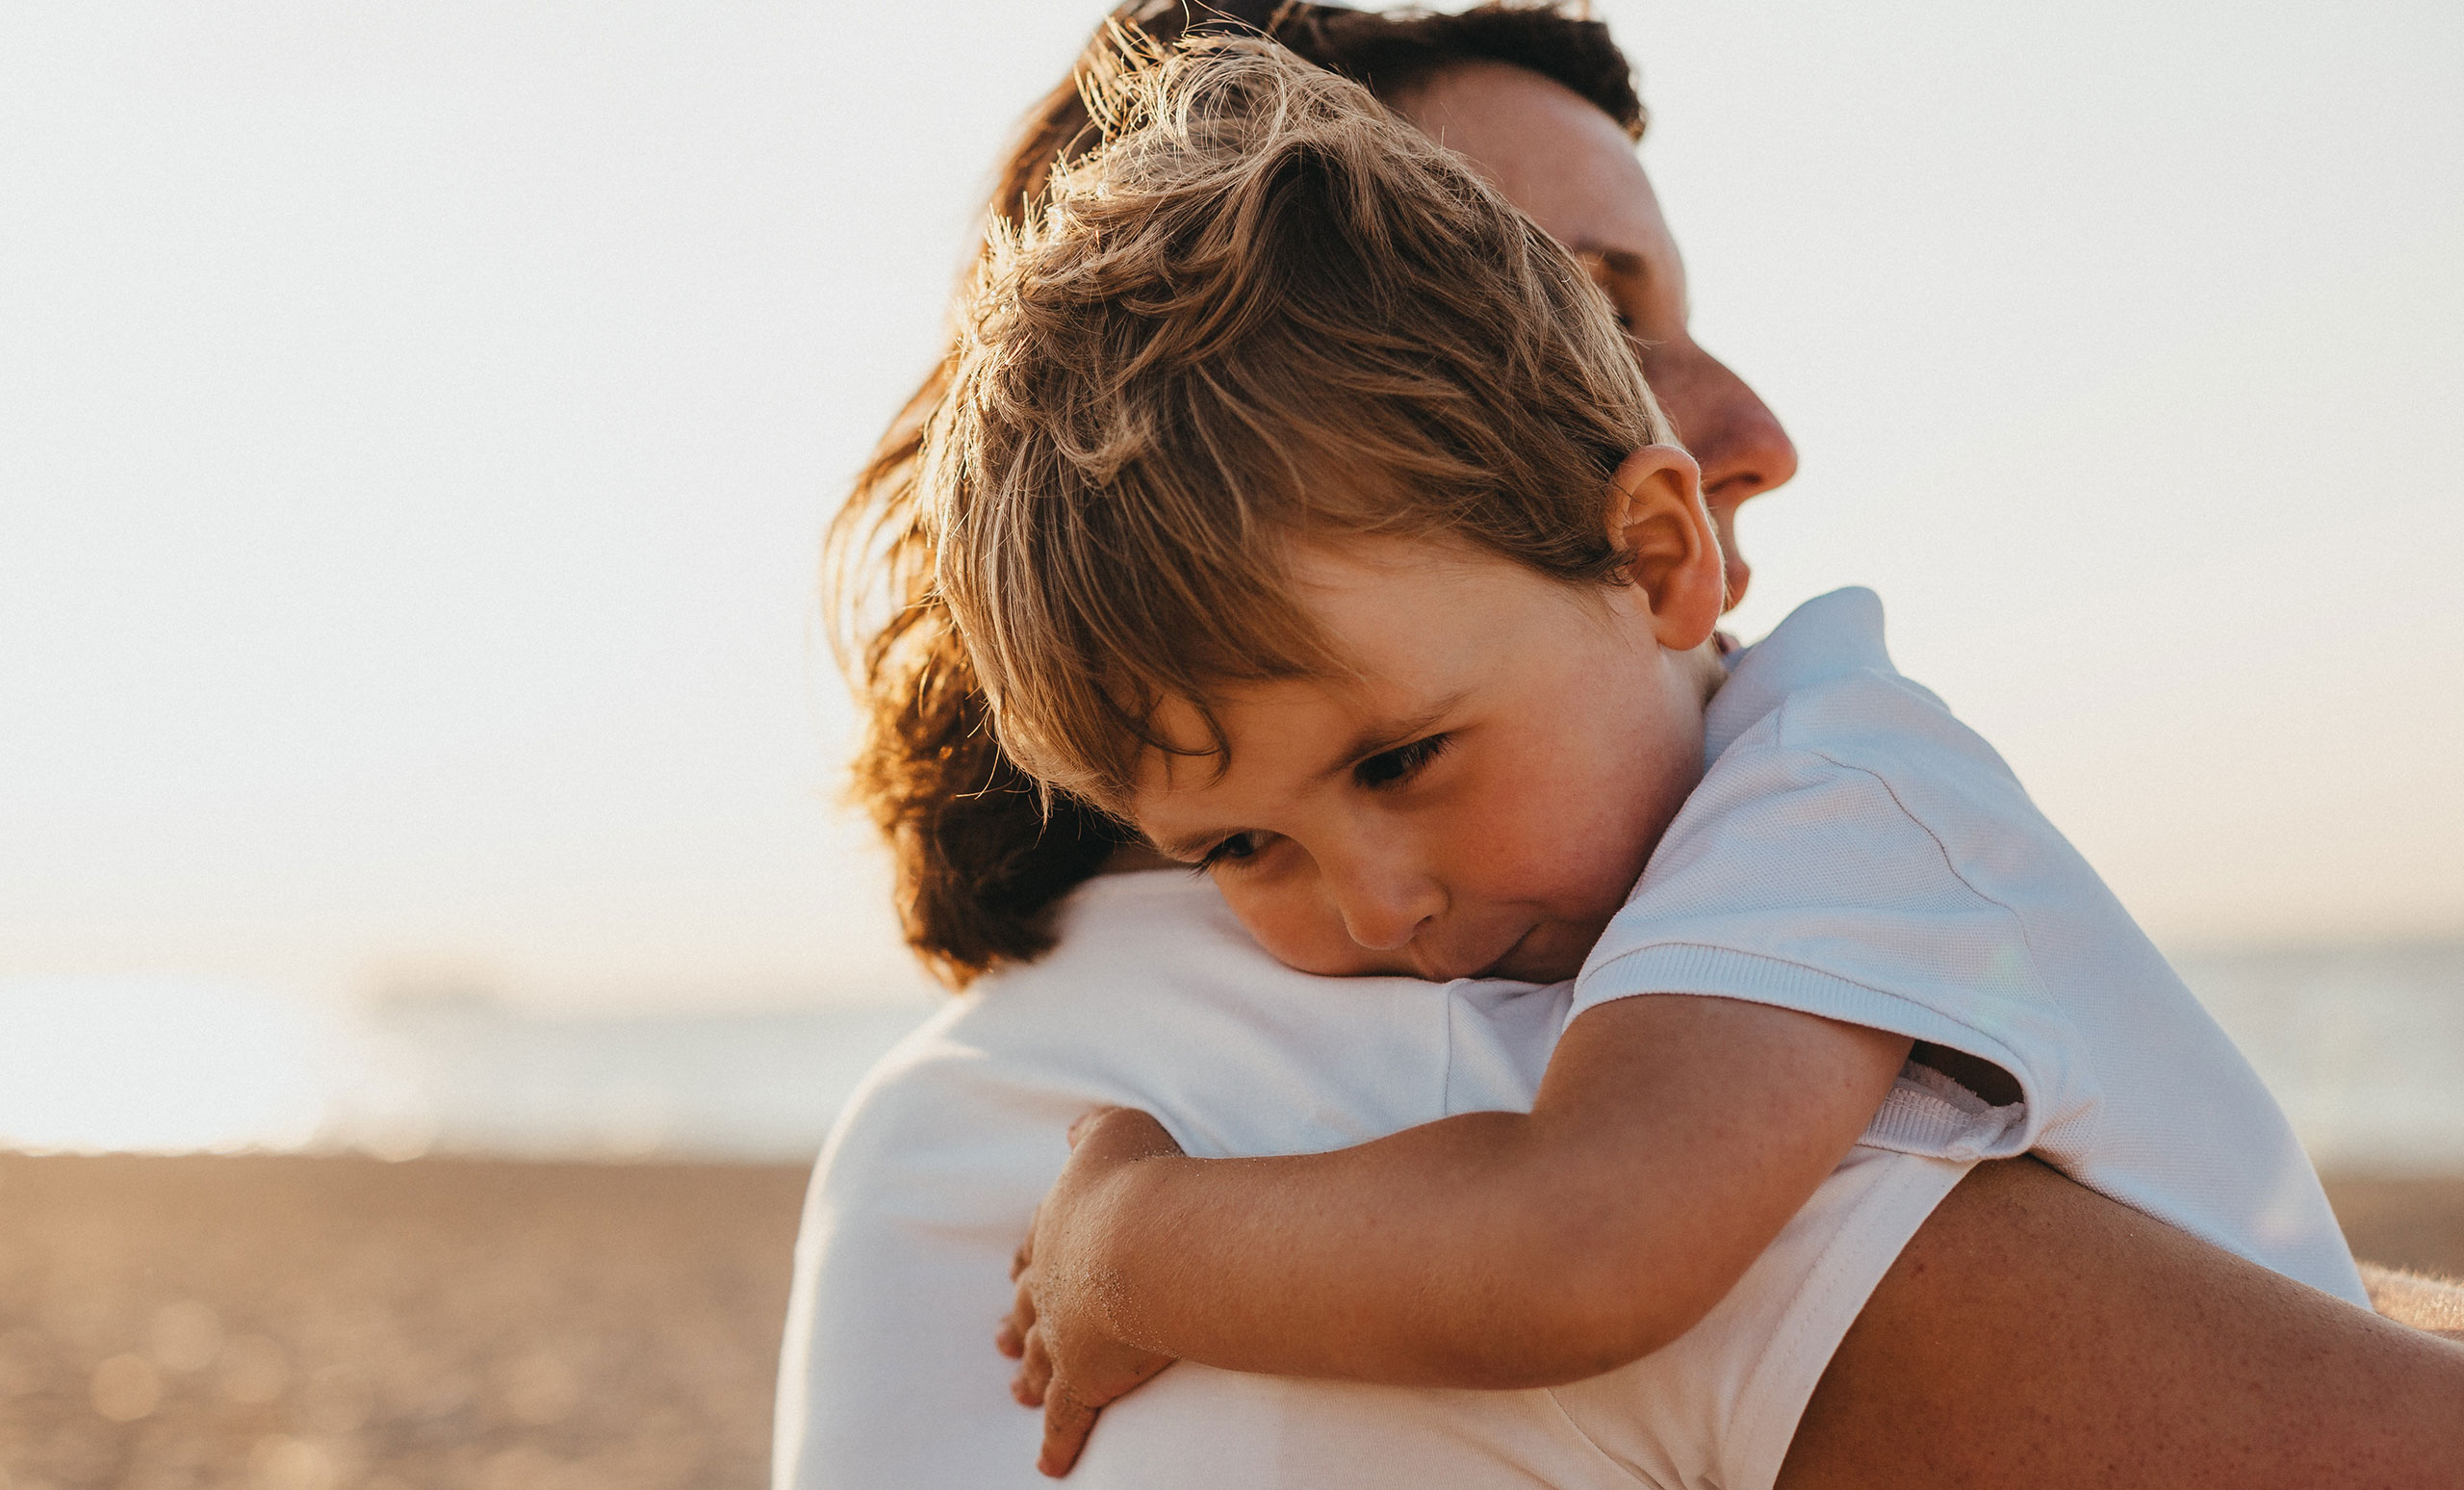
1552	152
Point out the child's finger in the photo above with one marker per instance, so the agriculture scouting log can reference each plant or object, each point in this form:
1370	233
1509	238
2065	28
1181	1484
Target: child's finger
1066	1423
1035	1368
1023	1258
1007	1340
1022	1315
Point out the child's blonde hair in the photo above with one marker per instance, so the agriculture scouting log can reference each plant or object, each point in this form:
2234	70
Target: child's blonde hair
1266	311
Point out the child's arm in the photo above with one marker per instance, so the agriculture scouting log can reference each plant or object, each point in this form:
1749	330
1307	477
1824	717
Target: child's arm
1672	1138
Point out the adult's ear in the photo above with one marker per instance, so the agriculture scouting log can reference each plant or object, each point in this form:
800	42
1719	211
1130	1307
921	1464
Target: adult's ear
1656	515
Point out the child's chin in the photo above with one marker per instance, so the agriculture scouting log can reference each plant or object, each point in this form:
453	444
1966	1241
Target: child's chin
1547	952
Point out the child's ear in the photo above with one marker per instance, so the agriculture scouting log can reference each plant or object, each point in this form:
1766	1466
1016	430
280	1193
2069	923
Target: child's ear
1655	514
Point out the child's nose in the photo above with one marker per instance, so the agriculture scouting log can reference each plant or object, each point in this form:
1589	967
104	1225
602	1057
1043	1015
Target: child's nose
1384	912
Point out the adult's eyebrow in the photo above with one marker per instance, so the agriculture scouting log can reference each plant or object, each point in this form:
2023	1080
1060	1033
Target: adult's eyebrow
1623	262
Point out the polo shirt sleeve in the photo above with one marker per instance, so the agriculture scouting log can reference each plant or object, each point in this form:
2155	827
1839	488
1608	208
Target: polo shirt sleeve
1798	876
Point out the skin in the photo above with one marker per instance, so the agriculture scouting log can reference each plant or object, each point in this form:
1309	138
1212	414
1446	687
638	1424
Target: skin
1568	165
1477	798
2213	1371
1412	814
2144	1359
2119	1353
1486	1251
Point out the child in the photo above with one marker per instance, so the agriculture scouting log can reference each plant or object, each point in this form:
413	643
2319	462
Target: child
1302	505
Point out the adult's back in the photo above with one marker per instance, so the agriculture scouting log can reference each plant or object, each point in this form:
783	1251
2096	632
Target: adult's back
1155	997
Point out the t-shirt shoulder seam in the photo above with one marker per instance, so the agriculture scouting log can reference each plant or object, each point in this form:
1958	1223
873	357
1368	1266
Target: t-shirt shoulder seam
1950	861
2018	922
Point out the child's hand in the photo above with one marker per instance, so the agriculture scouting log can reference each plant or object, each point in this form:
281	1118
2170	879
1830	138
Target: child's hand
1060	1330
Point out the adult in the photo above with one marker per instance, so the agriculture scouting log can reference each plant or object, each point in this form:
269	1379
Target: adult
1898	1292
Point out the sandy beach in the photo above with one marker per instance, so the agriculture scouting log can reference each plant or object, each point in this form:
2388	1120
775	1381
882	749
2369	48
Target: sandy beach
291	1324
313	1323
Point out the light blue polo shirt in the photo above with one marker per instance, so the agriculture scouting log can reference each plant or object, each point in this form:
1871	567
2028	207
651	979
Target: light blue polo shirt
1856	852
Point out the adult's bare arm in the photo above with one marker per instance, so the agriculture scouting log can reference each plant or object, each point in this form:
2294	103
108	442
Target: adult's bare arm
2035	1334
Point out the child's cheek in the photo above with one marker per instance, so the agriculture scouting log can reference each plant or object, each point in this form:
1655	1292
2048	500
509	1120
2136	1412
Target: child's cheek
1566	826
1300	927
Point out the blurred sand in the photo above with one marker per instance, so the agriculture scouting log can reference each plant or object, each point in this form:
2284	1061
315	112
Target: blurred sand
289	1324
2414	1223
292	1323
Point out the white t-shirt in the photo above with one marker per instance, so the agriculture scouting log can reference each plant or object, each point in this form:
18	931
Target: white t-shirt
1156	997
1856	852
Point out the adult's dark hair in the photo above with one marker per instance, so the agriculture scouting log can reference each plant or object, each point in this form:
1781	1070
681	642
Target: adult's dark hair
979	860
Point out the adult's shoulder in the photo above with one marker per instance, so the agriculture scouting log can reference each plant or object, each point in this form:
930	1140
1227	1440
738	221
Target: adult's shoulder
1155	997
1033	1045
1137	962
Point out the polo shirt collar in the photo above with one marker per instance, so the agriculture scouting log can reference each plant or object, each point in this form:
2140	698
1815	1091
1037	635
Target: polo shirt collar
1828	636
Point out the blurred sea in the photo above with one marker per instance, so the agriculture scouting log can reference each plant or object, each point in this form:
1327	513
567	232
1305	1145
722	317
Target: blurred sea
2364	1045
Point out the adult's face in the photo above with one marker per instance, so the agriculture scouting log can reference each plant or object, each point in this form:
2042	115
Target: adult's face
1562	159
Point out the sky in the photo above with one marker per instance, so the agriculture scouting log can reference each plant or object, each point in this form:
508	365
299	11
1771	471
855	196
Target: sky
417	423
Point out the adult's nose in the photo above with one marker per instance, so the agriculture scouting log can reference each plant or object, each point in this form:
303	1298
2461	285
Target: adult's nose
1739	442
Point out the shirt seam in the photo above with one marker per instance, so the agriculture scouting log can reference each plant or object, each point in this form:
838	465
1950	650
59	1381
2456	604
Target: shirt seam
1950	863
1597	1451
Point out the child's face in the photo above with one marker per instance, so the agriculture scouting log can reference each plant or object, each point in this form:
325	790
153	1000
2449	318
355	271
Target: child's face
1477	802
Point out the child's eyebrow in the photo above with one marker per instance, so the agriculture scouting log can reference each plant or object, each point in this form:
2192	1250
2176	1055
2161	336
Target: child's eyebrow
1188	848
1380	736
1373	738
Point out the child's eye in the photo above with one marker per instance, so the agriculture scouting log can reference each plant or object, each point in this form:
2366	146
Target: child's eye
1232	849
1394	767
